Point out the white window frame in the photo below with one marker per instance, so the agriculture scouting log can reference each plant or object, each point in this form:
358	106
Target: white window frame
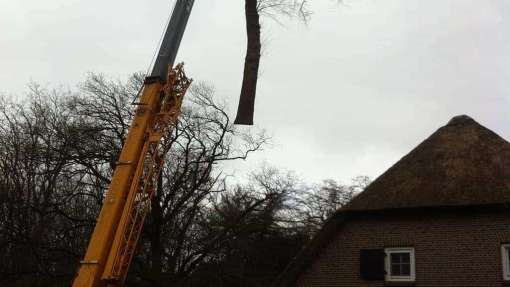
505	261
387	261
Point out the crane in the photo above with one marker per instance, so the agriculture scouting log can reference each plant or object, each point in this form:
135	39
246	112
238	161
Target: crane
127	200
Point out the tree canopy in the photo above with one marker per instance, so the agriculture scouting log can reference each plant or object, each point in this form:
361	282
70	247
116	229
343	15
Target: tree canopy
58	150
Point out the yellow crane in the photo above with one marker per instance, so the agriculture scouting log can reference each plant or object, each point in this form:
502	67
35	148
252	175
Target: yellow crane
134	180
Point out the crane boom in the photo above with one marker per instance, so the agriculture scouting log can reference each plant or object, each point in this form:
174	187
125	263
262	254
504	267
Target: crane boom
127	201
172	39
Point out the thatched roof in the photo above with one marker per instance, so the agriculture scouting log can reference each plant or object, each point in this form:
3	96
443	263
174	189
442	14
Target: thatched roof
462	163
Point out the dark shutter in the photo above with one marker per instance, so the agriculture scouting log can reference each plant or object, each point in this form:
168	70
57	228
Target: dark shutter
372	264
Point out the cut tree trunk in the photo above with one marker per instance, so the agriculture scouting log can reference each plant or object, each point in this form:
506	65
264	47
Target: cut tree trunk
251	65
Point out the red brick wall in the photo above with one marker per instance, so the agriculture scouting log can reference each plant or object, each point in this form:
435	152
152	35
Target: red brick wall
451	249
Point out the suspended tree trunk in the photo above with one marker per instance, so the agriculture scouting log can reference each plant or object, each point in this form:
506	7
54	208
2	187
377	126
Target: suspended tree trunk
251	65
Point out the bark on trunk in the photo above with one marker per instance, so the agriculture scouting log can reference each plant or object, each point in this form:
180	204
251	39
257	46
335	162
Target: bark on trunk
251	65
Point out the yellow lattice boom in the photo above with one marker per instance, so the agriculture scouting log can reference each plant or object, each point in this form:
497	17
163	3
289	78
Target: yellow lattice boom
134	182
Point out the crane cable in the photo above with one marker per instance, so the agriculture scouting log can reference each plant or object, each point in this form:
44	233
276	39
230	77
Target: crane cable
156	50
161	37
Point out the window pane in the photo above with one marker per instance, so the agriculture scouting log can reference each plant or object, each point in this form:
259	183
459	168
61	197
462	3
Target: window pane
400	264
401	257
395	269
406	269
395	258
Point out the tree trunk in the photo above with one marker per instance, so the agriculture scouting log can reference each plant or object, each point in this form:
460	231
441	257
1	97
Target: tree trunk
251	65
156	248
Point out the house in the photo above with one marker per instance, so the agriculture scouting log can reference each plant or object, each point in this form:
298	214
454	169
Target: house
439	217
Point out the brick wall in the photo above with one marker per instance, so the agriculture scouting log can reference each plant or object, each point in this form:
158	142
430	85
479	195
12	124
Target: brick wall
451	248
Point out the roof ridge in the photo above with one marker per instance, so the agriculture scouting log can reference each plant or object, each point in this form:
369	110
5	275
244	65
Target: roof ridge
461	120
462	163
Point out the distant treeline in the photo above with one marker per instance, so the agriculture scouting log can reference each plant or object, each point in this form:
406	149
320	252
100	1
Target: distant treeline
57	153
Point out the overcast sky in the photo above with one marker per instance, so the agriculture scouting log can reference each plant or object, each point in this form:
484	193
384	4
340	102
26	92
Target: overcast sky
348	94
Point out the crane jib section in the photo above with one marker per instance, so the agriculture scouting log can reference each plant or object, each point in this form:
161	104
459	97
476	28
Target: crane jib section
171	40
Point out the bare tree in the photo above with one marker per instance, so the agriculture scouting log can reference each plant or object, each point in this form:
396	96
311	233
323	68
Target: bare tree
173	243
58	150
204	138
243	221
289	8
43	214
57	153
316	203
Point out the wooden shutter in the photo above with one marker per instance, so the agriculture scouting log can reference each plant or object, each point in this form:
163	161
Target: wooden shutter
372	264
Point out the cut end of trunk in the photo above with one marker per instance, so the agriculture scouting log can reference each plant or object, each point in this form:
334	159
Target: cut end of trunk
244	120
246	105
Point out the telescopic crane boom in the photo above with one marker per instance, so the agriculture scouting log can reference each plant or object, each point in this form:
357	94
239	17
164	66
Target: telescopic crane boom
134	180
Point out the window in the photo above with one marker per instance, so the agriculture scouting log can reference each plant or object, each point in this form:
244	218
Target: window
505	256
400	265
